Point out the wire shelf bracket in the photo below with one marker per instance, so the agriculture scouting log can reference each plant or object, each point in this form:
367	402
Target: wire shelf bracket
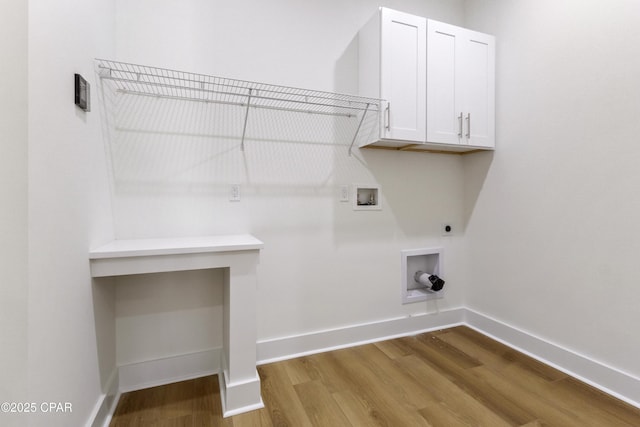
355	136
181	85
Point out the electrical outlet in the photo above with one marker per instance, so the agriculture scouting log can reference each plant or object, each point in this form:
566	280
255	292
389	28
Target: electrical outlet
234	194
447	229
344	193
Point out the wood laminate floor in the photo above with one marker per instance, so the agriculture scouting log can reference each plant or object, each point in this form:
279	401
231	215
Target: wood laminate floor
454	377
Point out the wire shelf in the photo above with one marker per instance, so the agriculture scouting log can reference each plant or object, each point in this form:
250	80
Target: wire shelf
153	81
165	83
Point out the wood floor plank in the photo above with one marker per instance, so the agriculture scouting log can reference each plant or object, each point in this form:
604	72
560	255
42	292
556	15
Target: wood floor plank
456	370
139	406
327	369
480	340
392	408
448	378
206	404
181	421
550	397
593	403
469	410
177	401
536	423
438	414
492	355
536	367
322	410
187	403
393	348
514	377
506	353
300	370
414	394
446	351
358	411
258	418
280	398
529	396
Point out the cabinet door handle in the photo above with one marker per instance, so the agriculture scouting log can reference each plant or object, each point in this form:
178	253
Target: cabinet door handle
387	117
460	125
468	125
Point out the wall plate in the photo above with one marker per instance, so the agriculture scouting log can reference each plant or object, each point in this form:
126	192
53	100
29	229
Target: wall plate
234	193
344	193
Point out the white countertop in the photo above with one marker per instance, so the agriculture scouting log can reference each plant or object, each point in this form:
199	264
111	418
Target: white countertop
173	246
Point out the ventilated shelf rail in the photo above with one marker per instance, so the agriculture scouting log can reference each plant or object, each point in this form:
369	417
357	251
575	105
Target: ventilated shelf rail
164	83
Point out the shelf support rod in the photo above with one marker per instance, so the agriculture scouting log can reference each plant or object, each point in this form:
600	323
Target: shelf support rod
358	129
246	116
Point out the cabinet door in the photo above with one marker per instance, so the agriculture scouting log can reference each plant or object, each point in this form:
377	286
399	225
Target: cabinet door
479	89
402	75
444	83
460	86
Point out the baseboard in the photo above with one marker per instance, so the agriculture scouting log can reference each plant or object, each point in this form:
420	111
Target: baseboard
610	380
277	349
151	373
106	405
240	396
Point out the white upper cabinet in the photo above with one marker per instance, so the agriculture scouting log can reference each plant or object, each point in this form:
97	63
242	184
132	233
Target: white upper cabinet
438	81
460	86
392	56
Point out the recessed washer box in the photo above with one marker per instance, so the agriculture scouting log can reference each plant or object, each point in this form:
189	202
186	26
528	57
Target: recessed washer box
428	260
366	197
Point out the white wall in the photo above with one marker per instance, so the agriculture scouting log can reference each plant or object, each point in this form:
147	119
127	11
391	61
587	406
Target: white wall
324	266
295	43
13	199
69	210
184	318
553	227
